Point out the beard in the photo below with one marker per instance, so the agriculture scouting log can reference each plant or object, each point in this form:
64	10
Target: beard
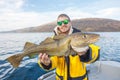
63	30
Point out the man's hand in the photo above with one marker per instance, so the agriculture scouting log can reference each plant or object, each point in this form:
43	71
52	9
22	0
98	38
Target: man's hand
43	57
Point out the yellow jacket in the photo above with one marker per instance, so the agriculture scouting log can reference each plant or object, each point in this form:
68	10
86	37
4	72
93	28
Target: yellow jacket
73	67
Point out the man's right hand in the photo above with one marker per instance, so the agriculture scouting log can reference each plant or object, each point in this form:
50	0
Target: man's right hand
43	57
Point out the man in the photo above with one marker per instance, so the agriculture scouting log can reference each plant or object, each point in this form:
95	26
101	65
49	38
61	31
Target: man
72	67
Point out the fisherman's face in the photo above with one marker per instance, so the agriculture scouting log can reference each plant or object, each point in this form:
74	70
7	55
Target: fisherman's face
64	27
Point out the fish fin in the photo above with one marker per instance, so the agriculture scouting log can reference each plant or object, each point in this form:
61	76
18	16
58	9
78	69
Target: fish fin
32	55
28	45
47	40
15	60
58	37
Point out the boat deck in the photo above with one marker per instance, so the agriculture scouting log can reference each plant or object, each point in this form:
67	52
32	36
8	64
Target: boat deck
100	70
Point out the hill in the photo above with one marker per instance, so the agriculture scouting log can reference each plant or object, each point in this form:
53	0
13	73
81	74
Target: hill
86	24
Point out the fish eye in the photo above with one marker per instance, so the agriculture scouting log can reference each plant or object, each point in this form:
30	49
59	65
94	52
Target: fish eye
84	36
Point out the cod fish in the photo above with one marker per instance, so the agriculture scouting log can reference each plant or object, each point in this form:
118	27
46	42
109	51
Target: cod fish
61	45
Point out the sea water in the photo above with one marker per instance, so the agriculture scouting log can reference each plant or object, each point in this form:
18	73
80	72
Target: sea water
13	43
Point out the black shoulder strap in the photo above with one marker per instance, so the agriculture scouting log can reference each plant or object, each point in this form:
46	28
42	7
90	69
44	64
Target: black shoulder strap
67	59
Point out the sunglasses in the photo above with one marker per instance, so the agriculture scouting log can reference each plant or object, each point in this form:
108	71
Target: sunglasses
64	21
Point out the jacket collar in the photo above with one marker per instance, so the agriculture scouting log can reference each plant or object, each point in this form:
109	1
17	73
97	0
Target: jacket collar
56	30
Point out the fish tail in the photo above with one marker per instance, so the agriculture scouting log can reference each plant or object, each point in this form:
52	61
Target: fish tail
15	60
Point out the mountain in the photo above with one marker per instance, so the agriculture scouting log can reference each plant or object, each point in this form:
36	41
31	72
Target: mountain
85	24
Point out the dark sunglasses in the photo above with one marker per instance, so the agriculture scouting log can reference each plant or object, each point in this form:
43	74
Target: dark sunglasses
64	21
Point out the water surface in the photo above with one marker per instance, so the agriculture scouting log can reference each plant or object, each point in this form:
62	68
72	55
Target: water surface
13	43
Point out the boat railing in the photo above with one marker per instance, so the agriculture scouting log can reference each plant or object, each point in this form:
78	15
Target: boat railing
47	76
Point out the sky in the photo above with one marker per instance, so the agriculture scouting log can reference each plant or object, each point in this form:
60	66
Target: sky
18	14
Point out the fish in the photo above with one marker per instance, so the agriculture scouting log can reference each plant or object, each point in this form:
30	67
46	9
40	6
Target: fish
59	45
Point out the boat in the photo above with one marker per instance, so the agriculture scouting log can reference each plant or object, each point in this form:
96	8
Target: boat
99	70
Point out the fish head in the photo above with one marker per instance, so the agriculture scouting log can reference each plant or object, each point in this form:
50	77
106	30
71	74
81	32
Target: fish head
80	40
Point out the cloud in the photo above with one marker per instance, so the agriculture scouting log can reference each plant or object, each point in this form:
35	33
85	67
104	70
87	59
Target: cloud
23	19
18	20
109	13
76	13
13	16
11	5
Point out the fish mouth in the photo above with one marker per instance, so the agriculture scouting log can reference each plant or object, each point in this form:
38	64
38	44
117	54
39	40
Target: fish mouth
94	40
